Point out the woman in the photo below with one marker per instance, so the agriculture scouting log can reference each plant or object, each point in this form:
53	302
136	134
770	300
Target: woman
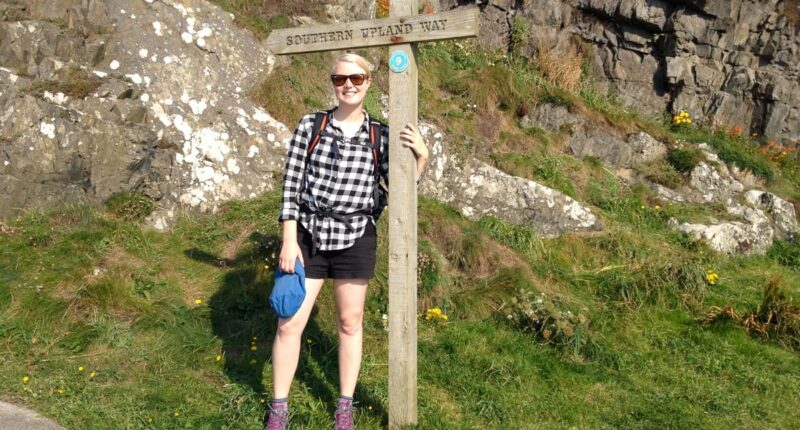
331	202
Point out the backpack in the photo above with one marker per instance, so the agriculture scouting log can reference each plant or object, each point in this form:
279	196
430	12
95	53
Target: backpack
379	193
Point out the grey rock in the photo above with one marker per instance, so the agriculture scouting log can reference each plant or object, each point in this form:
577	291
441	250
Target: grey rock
477	189
595	142
645	148
754	236
782	212
19	418
713	182
494	30
708	56
550	117
171	117
350	10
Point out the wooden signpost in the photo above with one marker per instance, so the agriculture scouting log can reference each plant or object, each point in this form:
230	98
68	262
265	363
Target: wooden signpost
400	30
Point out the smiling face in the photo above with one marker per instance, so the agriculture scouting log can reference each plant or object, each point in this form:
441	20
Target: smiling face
350	95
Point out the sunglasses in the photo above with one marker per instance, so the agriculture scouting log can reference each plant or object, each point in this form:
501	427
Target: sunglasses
357	79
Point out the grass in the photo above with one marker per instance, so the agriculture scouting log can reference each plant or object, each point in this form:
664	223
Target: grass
82	287
72	81
177	330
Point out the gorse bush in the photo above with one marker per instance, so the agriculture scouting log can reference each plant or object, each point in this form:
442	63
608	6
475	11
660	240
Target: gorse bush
685	159
545	319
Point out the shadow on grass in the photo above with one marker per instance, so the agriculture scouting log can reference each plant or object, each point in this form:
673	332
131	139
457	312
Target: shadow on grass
242	318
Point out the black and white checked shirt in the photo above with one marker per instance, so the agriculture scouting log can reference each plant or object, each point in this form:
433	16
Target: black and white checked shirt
340	177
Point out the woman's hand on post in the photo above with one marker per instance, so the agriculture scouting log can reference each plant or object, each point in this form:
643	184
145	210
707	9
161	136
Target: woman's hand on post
412	139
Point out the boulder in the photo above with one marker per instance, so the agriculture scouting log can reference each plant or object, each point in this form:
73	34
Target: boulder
477	189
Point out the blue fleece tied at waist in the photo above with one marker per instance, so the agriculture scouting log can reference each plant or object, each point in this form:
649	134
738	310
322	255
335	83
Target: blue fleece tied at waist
289	291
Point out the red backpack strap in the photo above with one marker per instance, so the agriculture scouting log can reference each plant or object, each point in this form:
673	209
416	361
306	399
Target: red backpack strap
375	142
320	122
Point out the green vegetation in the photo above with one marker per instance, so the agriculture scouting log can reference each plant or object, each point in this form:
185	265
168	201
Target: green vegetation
130	206
662	172
107	324
179	323
685	160
734	149
787	253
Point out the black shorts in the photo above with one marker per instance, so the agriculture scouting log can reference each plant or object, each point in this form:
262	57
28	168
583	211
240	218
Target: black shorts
355	262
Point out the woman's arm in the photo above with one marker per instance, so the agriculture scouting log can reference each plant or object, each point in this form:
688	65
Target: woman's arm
292	182
290	249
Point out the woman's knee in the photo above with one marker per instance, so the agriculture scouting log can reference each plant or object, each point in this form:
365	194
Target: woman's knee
291	328
351	324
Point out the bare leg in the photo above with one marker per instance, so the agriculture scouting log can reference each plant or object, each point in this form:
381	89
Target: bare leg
286	347
350	295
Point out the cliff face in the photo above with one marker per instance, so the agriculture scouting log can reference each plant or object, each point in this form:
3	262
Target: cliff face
732	62
102	96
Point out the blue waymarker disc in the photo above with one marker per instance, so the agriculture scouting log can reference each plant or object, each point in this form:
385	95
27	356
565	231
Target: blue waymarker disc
398	61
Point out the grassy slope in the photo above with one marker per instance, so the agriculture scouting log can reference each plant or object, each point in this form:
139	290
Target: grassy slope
154	350
81	288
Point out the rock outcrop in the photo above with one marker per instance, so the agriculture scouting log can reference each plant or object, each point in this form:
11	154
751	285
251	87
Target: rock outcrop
727	62
103	96
477	189
167	111
761	217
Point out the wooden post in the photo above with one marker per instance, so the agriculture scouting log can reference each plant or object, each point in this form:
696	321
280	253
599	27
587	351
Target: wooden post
399	30
403	109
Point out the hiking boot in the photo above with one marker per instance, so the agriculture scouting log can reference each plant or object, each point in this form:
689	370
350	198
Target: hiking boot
278	417
343	417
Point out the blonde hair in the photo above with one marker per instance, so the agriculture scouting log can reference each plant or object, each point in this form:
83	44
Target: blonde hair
356	59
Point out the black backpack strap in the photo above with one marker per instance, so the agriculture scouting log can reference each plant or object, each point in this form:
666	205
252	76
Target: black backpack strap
375	135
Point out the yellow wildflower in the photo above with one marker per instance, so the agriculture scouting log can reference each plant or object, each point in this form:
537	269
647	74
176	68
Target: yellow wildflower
434	314
80	369
25	379
92	375
712	277
198	301
219	357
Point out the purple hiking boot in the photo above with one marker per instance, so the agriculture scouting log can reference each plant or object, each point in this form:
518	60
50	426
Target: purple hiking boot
278	417
343	417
